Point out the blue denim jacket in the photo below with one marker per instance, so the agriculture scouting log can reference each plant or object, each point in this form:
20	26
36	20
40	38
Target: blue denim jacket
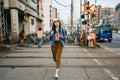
52	37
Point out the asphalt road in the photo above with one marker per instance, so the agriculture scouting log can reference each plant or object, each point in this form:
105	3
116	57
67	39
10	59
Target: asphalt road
115	42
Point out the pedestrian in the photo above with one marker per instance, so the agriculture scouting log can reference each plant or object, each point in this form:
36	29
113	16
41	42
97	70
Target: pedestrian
57	38
39	37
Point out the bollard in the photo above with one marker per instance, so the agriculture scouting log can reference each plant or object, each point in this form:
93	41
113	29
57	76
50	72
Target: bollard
81	40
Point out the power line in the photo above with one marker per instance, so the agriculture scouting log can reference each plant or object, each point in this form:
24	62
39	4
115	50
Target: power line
62	4
34	1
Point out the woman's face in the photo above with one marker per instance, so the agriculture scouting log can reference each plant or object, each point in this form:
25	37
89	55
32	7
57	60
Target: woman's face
57	23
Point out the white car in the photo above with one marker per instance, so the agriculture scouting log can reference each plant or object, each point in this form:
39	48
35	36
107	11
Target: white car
119	31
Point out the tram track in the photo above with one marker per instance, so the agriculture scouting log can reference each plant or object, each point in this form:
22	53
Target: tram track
64	66
4	57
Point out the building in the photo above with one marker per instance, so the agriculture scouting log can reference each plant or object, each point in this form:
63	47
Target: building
95	20
117	7
117	16
19	15
53	15
103	14
111	20
47	4
67	27
49	13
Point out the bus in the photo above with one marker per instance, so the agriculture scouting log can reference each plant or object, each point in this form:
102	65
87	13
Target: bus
104	33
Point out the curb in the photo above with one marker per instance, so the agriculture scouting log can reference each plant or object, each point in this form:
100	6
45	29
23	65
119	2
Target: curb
7	47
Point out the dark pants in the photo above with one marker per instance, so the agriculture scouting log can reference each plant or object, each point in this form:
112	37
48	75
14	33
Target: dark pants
57	52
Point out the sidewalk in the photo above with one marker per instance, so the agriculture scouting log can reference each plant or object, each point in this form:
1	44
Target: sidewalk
7	47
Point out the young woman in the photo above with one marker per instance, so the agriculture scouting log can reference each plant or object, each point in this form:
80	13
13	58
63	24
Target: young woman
57	39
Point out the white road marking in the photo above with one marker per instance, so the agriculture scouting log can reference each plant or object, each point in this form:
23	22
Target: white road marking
109	49
117	53
115	41
111	74
85	50
97	61
107	71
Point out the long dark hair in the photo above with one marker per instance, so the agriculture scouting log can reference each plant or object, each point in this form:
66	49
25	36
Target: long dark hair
54	27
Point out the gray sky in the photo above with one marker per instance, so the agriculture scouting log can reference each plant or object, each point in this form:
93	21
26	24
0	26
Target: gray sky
64	12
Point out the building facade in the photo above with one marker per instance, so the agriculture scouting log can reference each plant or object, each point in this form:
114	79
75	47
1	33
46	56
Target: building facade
111	20
96	15
53	14
67	27
103	14
46	12
117	16
49	13
20	15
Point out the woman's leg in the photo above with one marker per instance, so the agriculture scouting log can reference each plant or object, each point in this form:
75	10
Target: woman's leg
58	55
40	42
54	50
58	58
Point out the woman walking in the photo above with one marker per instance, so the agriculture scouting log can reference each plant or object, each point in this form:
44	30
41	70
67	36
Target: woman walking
57	39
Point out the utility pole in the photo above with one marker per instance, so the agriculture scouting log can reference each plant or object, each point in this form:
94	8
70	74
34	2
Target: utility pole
71	15
86	17
51	17
80	23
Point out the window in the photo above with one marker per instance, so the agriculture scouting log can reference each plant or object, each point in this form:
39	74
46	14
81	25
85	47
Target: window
32	21
106	30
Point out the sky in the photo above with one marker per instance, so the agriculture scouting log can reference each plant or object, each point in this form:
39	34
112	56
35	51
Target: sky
64	12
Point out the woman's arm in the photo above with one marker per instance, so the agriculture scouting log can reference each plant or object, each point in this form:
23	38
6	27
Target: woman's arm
51	35
63	36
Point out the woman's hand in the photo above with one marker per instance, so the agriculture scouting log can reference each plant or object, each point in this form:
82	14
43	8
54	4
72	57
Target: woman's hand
60	35
52	32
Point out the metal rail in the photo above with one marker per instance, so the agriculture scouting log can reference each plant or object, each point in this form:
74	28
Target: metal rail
65	66
5	57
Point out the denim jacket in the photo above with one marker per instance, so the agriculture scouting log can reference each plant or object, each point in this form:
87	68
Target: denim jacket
52	37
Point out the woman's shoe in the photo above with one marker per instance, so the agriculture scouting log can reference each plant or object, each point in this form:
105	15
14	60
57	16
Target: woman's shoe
56	76
56	73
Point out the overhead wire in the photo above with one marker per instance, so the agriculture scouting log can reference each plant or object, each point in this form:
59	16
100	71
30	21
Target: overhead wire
34	1
61	4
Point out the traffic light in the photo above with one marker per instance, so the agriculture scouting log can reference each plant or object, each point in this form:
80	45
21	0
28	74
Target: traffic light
82	16
84	22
